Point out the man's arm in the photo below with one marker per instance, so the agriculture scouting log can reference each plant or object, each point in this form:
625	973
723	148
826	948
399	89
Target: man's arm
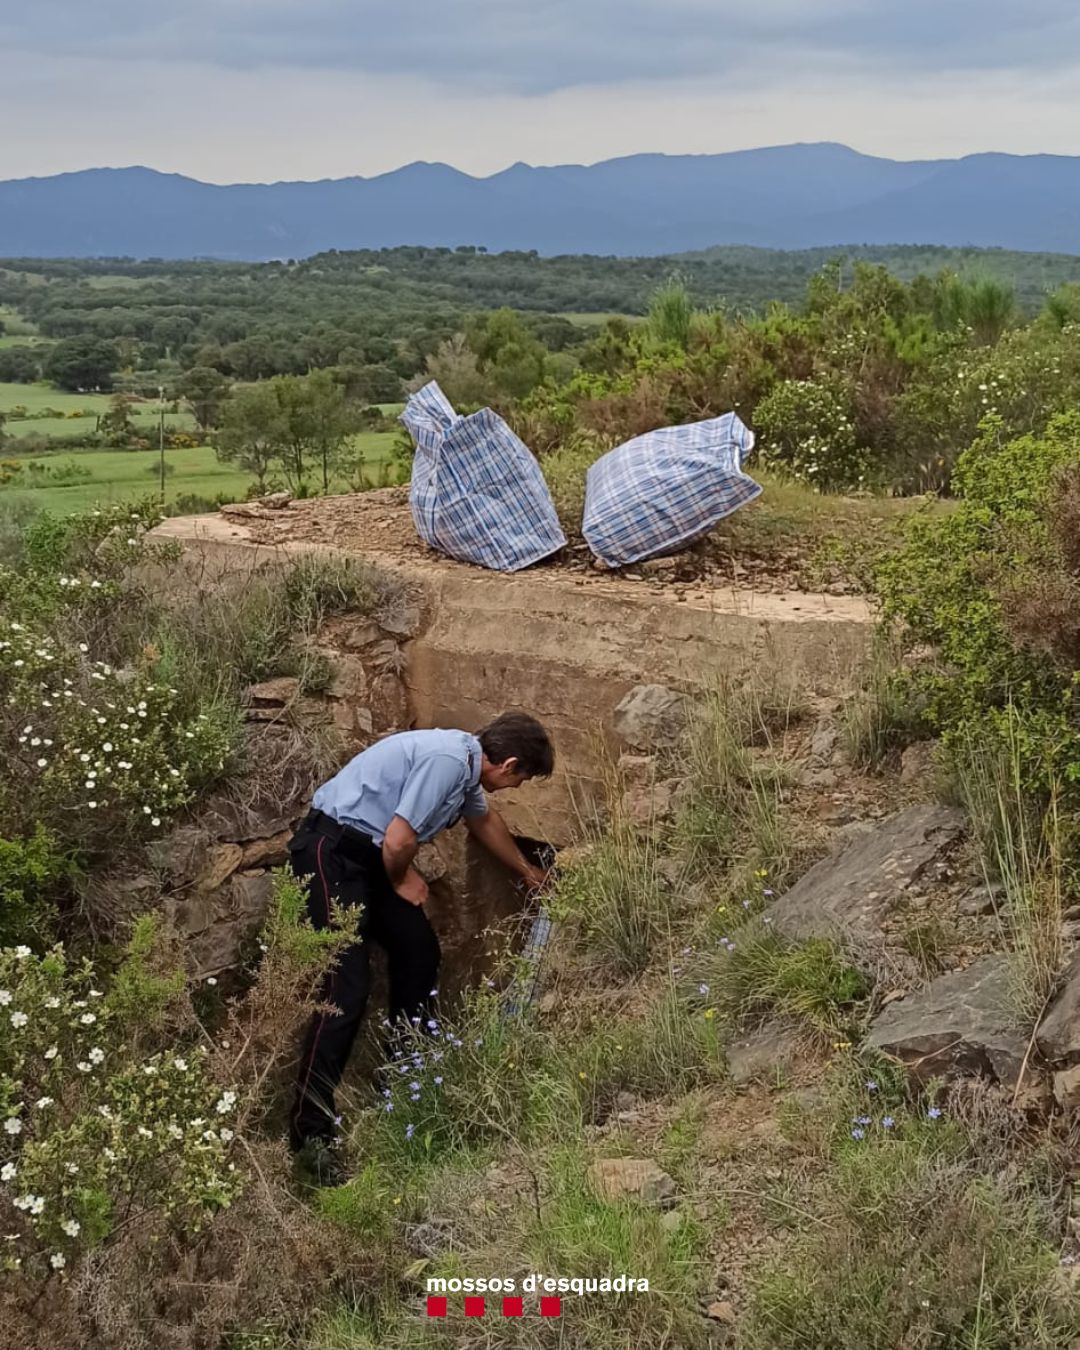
491	830
399	848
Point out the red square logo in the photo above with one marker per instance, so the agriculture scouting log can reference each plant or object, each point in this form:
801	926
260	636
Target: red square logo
436	1306
551	1307
474	1307
513	1307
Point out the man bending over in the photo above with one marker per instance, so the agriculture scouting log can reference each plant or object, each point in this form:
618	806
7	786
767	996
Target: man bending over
357	846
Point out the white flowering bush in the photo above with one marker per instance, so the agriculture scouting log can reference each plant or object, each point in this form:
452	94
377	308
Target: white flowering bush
92	1131
807	430
93	750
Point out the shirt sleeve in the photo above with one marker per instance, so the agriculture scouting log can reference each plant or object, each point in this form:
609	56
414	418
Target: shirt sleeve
427	789
476	803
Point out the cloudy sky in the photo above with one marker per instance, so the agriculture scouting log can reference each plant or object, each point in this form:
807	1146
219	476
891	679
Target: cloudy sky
251	90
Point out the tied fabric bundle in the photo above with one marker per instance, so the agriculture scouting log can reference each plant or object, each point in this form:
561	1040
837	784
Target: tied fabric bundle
477	493
658	492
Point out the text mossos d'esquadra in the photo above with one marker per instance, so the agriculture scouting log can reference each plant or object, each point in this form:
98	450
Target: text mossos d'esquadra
540	1284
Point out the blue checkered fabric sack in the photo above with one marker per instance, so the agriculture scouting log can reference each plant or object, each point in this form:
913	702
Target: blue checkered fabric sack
658	492
477	492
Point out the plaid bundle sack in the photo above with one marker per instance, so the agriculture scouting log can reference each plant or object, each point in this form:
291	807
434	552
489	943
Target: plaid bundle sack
656	493
477	492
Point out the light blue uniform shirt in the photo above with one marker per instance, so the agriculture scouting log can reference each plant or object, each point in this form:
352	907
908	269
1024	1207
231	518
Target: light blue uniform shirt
429	778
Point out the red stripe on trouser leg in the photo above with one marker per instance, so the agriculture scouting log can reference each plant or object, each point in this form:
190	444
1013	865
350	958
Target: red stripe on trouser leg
302	1093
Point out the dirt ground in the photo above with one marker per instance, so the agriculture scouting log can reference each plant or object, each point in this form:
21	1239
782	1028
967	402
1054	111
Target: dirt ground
380	523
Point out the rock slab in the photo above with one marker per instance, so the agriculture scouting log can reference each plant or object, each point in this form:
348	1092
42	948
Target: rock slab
850	895
962	1023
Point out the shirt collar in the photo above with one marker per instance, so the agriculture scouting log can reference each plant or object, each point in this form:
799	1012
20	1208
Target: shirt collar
475	752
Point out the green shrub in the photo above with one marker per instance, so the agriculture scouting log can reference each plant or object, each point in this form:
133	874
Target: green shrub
945	594
31	871
758	973
807	429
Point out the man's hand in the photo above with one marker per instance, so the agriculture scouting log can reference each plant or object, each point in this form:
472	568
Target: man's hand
536	880
413	887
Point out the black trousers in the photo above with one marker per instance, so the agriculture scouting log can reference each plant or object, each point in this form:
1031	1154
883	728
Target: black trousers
350	874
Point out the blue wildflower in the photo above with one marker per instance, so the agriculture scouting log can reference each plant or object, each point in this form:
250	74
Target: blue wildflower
438	1080
410	1130
888	1123
389	1106
703	990
414	1086
871	1087
934	1113
858	1134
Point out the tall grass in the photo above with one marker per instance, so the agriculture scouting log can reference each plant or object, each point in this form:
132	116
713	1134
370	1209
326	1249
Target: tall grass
1020	832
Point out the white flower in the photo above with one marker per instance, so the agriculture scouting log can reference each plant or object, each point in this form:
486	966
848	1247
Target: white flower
145	1133
83	647
225	1136
37	1204
83	1067
43	763
88	1019
71	1227
19	1019
5	997
110	1154
180	1065
96	993
97	1055
52	1052
57	1261
73	1169
22	953
225	1103
211	981
8	1171
156	821
13	1125
85	759
43	1102
149	1069
52	1002
107	747
92	805
175	1132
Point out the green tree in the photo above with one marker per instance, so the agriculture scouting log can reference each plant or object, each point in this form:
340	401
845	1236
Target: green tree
82	363
205	391
252	434
507	353
116	425
317	420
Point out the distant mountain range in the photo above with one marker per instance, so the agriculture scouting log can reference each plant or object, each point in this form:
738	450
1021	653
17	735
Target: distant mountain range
791	196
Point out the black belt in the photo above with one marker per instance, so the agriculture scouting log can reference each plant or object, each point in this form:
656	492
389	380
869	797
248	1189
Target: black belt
344	837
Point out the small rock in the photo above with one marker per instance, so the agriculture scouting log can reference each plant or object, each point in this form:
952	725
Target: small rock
647	807
430	1239
1067	1089
981	900
222	861
403	622
917	762
1059	1035
272	852
723	1312
761	1054
276	501
632	1179
277	692
651	716
672	1221
824	742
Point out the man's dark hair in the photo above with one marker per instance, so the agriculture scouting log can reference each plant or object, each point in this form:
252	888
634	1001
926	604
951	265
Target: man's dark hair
516	735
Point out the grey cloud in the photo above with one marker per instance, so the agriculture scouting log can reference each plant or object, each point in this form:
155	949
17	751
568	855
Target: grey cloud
537	46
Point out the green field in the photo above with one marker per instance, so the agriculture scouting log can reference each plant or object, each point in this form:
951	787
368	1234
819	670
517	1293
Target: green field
123	475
